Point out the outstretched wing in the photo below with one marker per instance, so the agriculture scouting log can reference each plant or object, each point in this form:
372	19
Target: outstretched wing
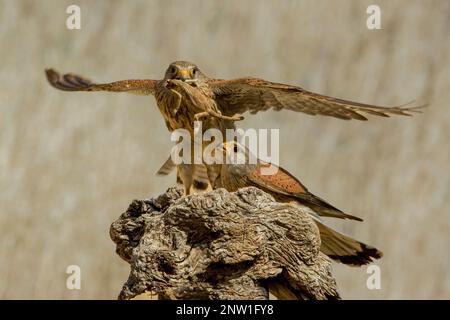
73	82
254	95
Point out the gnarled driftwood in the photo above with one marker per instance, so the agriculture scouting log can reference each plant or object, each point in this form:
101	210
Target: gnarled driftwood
221	245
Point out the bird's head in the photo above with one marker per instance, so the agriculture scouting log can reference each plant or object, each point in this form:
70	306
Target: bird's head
236	153
184	71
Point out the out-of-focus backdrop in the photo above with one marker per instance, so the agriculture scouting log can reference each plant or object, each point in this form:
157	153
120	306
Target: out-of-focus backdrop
70	163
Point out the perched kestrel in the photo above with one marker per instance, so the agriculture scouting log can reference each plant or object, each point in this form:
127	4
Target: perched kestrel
186	94
284	187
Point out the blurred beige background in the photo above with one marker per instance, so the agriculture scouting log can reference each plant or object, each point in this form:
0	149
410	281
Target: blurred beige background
70	163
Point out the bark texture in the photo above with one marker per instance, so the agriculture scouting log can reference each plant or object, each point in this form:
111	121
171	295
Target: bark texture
221	245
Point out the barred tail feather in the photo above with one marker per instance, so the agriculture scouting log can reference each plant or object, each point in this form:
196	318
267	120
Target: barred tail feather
344	249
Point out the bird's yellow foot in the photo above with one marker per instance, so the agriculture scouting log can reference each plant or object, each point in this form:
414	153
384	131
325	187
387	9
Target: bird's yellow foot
237	117
201	115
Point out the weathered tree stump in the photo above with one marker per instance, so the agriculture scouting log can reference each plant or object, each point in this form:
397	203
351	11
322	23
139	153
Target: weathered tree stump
221	245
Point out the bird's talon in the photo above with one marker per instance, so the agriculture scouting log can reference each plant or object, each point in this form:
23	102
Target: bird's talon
200	115
192	82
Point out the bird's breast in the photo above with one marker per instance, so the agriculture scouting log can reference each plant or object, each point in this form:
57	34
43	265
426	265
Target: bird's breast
179	108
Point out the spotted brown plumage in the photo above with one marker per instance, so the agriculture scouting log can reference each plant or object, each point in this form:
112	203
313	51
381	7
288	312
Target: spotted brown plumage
284	187
282	180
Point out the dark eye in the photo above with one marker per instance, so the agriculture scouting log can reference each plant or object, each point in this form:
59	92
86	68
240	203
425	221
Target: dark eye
194	71
173	69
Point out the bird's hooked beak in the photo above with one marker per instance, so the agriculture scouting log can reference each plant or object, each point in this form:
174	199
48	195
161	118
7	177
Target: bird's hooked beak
225	146
183	75
232	152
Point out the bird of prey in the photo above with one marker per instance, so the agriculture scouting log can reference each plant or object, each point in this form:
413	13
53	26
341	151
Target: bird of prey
186	94
284	187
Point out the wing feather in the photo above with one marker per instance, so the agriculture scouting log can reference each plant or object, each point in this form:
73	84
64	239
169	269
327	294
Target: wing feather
73	82
254	95
283	183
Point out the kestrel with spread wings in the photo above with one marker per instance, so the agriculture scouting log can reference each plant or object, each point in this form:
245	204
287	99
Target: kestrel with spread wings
186	94
232	97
